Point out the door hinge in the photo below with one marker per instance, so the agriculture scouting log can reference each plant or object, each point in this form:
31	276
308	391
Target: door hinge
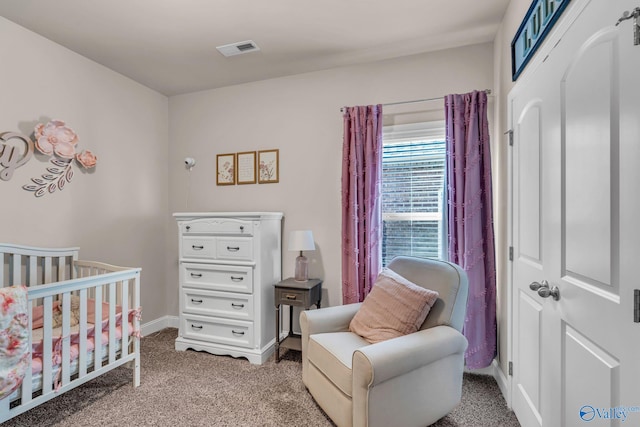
510	253
635	14
510	369
636	305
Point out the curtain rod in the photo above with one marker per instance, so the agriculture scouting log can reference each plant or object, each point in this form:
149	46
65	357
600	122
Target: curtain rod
487	91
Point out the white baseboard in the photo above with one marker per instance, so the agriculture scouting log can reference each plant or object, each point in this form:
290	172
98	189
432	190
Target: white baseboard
159	324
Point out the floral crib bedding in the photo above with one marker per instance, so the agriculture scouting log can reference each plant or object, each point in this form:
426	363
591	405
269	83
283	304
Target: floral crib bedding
14	354
14	338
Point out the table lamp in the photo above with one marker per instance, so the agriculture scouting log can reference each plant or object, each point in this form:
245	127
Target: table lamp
301	240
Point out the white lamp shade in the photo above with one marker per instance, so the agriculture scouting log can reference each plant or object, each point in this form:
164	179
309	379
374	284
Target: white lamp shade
301	240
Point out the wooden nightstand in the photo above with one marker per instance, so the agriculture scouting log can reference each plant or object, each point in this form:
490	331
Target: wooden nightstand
299	294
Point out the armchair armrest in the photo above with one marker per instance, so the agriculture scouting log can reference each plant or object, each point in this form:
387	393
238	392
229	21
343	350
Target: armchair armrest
382	361
330	319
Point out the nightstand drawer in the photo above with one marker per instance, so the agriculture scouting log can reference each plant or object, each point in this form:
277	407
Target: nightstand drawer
218	304
239	248
214	329
217	277
198	247
292	297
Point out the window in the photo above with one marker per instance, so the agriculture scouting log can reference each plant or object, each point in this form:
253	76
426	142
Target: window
413	177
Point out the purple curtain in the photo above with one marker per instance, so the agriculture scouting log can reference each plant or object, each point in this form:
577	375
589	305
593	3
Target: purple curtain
361	205
471	242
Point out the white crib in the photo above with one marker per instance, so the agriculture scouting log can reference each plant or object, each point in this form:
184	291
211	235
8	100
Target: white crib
68	356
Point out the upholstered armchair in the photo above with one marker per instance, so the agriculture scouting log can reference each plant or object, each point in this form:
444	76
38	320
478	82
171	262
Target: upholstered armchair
411	380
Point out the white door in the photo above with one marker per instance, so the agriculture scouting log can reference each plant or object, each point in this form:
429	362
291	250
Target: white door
575	199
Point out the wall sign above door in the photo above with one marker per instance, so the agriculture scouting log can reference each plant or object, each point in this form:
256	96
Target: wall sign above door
537	23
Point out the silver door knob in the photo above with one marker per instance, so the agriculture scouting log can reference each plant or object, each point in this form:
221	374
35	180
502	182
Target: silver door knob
534	286
553	292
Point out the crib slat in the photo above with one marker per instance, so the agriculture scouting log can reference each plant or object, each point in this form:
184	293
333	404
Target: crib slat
65	337
47	269
16	270
97	338
62	268
72	271
26	381
112	322
136	327
82	355
46	345
33	271
125	318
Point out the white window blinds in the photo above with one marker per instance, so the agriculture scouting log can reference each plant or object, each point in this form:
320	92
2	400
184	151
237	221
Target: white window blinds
413	176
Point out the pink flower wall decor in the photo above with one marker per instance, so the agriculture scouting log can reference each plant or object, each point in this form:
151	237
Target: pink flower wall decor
58	141
87	159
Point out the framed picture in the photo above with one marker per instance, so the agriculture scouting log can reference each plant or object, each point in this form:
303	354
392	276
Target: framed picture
246	167
268	166
226	169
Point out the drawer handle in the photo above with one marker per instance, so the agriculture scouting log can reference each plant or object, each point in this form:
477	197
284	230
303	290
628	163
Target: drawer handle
233	248
234	305
188	227
237	332
242	228
291	296
196	301
196	275
237	279
196	326
197	248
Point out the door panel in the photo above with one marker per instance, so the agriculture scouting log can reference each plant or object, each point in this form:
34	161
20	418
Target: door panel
528	131
590	144
595	366
529	321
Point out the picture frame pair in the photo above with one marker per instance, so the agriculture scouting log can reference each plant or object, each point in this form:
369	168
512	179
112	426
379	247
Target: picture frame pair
248	167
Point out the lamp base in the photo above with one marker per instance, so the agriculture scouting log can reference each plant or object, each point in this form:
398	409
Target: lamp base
302	269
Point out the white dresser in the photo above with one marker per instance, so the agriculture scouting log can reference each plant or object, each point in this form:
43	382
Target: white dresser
229	262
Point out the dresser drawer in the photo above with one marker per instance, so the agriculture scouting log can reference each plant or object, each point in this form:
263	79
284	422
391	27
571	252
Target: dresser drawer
217	277
213	329
218	304
218	226
198	247
239	248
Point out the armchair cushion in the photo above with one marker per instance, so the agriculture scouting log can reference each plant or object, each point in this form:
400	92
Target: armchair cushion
394	307
332	353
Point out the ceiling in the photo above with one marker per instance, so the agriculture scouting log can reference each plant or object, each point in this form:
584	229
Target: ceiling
170	45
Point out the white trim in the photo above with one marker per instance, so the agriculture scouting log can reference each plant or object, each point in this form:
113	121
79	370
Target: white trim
504	382
159	324
432	130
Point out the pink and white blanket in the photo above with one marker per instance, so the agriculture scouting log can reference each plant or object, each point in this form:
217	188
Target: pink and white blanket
14	335
14	338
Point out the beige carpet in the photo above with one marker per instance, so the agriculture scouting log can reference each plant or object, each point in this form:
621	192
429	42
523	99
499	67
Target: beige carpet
198	389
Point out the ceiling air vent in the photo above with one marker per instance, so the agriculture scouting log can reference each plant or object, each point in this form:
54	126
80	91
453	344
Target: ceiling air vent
238	48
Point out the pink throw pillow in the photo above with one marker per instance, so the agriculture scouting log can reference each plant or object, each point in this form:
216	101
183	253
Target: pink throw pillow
394	307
